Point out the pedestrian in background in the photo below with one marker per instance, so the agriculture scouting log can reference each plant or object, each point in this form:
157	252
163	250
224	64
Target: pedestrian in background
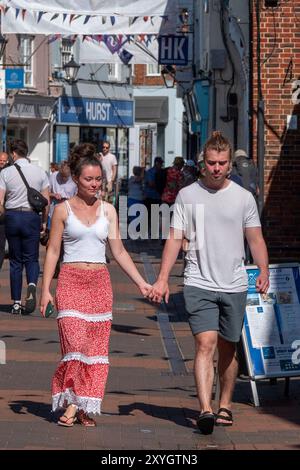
215	279
152	189
173	181
135	189
189	173
245	170
109	165
62	187
84	291
3	164
23	224
3	160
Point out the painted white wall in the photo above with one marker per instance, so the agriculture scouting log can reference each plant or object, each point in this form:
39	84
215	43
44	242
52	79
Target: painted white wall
39	143
173	129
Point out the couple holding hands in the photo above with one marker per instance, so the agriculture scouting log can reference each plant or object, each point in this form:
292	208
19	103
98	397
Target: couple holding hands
215	281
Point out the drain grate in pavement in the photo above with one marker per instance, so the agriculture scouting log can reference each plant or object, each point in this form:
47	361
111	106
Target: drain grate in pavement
167	334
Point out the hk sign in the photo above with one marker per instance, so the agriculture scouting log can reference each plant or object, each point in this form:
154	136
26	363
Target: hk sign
173	50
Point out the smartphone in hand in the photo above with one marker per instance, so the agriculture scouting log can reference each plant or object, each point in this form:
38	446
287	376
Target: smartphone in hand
49	309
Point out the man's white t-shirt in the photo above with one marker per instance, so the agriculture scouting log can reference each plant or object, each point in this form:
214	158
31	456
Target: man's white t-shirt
214	221
107	162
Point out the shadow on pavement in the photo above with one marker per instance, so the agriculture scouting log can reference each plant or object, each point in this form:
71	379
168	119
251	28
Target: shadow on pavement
5	308
43	410
180	416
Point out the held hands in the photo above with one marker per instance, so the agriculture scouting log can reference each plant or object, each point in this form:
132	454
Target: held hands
155	293
46	297
160	290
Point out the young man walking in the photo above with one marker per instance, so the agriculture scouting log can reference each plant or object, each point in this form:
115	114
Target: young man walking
215	214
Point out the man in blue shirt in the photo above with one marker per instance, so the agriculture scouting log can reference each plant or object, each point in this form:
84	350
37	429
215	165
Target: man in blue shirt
152	196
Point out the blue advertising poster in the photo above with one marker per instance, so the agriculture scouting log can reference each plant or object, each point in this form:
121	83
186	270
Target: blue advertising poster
272	323
14	78
88	111
62	144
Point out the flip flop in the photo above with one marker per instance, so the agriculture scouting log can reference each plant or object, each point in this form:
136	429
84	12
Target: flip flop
69	421
206	422
228	418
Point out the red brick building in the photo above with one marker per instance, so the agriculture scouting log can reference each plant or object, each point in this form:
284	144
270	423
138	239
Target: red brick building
279	41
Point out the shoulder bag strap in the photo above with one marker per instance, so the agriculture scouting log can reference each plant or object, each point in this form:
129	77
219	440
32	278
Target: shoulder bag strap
22	176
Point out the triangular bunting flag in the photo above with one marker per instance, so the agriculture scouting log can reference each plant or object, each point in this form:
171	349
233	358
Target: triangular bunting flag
17	12
54	16
86	19
112	20
146	18
40	14
64	16
23	14
104	19
71	18
6	10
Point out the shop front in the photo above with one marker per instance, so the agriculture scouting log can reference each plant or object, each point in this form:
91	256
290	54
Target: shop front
82	119
30	119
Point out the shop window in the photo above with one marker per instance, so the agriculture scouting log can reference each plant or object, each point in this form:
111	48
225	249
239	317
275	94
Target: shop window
26	57
122	153
16	132
114	72
66	51
153	70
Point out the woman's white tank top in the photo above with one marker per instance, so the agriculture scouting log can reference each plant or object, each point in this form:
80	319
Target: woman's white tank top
83	243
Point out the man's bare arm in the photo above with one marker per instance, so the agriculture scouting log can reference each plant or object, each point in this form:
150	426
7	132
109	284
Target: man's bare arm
259	253
169	257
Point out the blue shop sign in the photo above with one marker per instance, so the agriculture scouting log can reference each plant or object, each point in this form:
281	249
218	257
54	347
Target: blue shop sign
77	110
14	78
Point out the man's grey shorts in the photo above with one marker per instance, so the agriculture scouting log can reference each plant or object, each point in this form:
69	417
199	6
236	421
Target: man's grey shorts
215	311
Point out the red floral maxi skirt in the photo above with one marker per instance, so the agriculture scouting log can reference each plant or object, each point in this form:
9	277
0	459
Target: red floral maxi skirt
84	303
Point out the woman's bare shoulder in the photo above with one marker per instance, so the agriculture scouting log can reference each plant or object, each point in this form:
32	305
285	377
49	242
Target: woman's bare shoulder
61	211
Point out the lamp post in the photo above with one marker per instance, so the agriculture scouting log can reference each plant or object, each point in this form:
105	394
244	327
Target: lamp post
168	75
3	42
71	68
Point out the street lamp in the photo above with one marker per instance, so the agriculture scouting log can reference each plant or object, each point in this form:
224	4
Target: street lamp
71	68
168	75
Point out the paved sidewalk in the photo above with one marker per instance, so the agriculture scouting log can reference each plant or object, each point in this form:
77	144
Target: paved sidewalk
150	400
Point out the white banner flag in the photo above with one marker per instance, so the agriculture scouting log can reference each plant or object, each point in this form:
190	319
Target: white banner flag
97	7
142	49
90	17
34	22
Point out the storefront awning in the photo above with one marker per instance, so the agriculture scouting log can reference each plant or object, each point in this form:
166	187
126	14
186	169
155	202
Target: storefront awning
32	107
152	109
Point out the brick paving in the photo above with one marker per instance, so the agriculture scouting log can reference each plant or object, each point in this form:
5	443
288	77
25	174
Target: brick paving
146	406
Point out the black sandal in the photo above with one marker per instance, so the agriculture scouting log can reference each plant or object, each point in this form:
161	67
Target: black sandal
227	418
206	422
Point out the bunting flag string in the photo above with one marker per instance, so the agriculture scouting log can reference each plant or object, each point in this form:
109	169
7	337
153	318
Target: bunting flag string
99	7
126	49
45	21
